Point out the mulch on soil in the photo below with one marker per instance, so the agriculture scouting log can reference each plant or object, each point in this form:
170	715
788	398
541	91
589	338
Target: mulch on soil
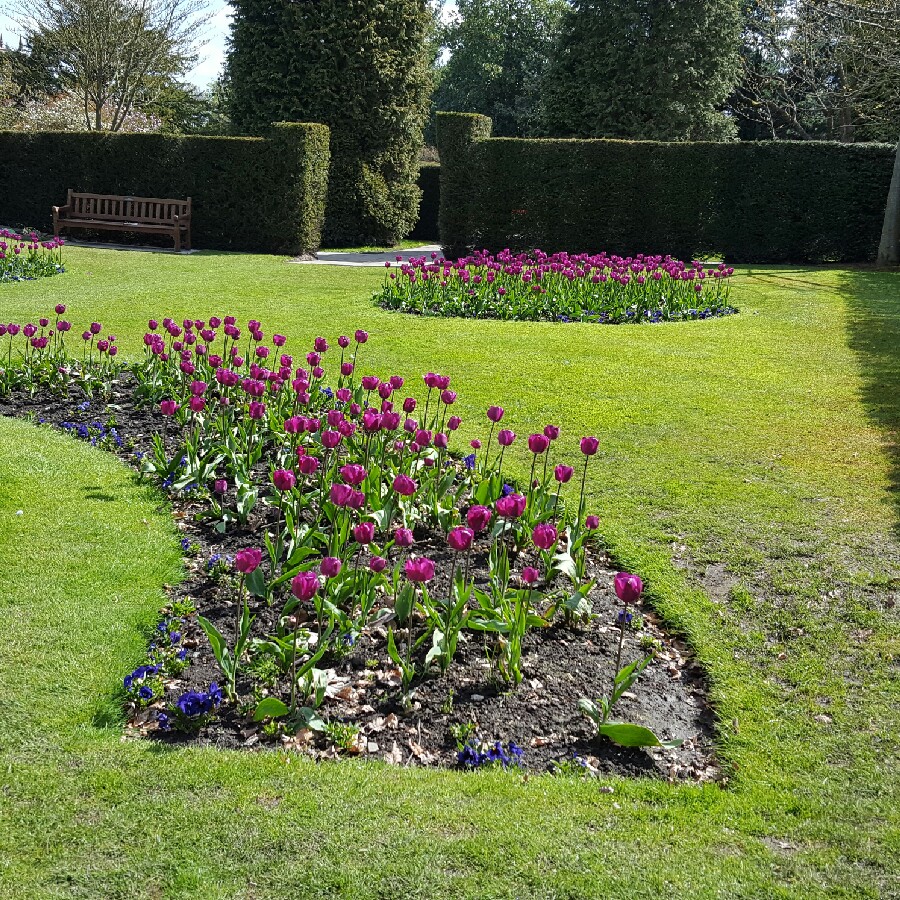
560	664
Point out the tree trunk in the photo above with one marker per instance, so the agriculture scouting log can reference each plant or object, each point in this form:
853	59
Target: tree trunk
889	249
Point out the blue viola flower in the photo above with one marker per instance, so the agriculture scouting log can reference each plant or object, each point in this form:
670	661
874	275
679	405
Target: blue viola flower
469	461
145	693
163	721
181	655
623	617
507	490
174	637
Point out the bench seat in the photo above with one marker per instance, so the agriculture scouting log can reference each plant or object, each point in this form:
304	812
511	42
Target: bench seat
111	212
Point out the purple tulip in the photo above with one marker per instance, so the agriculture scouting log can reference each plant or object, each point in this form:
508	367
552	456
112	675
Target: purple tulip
309	465
330	567
364	533
511	506
353	474
377	564
305	586
247	560
478	517
330	439
361	336
530	575
589	445
405	486
538	443
544	536
419	569
563	474
168	407
220	486
257	410
628	587
403	537
460	538
284	479
592	523
505	437
495	413
340	494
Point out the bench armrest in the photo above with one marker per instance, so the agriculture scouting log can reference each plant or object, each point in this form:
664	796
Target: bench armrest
61	209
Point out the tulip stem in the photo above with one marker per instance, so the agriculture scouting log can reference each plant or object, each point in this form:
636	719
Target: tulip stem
624	615
583	480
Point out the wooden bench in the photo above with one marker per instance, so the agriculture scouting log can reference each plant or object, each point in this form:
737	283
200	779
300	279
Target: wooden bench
146	214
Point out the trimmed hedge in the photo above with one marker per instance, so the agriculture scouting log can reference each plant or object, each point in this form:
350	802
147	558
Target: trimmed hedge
430	185
259	194
751	202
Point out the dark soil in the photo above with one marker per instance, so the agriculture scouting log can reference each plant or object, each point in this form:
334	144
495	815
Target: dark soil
560	663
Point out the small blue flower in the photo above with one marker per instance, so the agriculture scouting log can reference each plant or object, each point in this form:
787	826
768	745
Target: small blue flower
327	392
507	490
163	721
623	617
185	544
145	693
175	636
469	461
181	655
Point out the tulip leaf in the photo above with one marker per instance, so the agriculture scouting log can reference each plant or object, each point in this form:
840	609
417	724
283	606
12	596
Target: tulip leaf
256	583
627	735
271	707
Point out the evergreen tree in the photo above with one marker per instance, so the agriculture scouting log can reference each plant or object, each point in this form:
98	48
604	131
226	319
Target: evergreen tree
499	52
644	69
362	67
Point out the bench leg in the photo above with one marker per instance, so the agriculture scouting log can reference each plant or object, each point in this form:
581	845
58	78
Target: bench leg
177	240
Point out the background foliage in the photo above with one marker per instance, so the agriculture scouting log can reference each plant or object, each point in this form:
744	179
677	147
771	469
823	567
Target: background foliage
499	51
760	201
248	193
645	69
362	68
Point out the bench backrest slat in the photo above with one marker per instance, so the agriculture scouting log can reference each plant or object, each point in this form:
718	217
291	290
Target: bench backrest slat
126	209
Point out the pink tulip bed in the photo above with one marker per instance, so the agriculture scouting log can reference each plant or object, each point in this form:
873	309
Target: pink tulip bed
25	256
601	289
359	579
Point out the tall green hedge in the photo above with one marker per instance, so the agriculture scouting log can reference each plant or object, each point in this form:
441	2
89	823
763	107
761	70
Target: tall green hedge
430	185
260	194
752	202
363	68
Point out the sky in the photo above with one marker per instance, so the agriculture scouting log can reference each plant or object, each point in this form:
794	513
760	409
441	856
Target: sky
212	55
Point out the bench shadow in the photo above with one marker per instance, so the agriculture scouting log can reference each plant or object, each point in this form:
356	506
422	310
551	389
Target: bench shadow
873	326
95	492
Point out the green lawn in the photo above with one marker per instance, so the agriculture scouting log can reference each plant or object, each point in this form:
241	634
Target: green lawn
749	471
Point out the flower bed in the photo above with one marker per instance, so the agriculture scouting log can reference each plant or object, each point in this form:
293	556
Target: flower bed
24	256
358	581
605	290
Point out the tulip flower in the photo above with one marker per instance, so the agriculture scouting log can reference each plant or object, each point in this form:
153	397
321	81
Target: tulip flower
563	474
309	465
364	533
247	561
460	538
551	432
530	575
305	586
589	445
495	413
377	564
340	494
419	569
168	407
478	517
511	506
506	437
284	479
220	486
405	486
330	439
537	443
361	336
544	536
353	474
592	523
403	537
628	587
330	567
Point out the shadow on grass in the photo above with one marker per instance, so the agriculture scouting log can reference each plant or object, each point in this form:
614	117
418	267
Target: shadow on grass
873	323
